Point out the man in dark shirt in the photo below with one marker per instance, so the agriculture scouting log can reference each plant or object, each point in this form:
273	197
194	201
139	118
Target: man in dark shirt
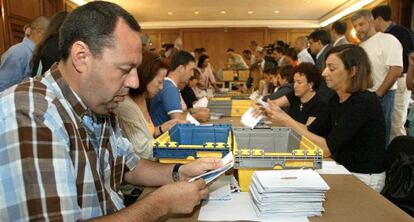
383	23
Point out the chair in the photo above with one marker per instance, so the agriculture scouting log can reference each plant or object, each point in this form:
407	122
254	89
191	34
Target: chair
399	183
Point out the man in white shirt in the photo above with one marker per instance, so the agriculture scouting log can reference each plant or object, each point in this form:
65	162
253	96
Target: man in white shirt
301	46
338	33
385	54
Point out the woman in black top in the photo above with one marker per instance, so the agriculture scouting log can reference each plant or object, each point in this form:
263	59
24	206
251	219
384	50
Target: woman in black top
187	92
304	104
353	129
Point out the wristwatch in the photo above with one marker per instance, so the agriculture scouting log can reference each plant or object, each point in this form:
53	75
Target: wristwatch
175	173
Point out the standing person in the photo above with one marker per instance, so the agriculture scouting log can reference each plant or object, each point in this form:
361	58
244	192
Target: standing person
63	156
301	46
352	130
15	62
47	51
338	33
383	23
385	53
207	79
235	61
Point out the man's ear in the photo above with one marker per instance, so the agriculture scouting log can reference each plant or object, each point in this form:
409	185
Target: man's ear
80	56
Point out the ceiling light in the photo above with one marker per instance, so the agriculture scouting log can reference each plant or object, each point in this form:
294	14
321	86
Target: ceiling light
139	3
345	12
79	2
223	12
308	1
250	12
277	12
169	13
196	12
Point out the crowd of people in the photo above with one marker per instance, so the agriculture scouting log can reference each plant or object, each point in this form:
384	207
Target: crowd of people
76	138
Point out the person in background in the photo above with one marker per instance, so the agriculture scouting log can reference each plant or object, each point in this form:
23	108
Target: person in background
248	57
283	78
235	61
47	51
167	104
27	30
146	42
410	86
385	53
291	57
338	31
278	56
256	71
352	130
383	23
188	93
207	79
133	115
301	46
63	155
15	62
304	103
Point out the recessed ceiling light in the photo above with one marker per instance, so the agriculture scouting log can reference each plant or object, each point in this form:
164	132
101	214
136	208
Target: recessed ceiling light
139	3
196	12
308	1
170	13
223	12
250	12
277	12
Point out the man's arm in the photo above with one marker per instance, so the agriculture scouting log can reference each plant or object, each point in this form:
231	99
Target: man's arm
11	70
393	74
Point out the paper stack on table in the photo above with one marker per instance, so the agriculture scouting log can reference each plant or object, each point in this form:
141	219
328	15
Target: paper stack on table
278	193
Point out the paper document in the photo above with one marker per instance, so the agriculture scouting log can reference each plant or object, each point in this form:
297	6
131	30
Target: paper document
191	119
239	207
220	189
254	95
201	103
249	120
210	176
331	167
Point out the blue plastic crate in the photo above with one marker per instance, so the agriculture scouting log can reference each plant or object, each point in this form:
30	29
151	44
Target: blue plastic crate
189	134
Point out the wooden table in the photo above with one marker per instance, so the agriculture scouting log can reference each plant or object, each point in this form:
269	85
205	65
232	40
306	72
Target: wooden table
348	200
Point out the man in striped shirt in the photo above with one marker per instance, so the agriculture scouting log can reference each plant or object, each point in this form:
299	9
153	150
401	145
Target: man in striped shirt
62	156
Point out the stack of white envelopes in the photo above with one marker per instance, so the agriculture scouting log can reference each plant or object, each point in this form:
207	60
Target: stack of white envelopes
295	193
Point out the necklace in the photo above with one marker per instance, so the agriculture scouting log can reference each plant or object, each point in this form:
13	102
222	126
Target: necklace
301	107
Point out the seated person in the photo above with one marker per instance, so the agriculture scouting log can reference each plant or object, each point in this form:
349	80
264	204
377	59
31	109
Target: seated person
352	131
283	78
134	118
264	84
207	80
187	92
235	61
63	155
304	104
166	104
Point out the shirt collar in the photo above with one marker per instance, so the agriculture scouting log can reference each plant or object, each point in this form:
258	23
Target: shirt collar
390	27
168	79
339	39
320	52
29	43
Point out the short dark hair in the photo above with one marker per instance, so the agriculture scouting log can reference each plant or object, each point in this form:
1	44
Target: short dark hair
168	46
311	73
196	74
339	27
355	59
93	24
383	11
201	60
291	52
181	58
286	72
279	50
269	68
149	68
320	35
230	50
246	51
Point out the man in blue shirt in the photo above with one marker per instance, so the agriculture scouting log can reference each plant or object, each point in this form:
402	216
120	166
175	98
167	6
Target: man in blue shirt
15	62
167	103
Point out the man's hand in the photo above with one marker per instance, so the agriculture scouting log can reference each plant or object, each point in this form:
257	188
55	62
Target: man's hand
170	123
201	114
198	167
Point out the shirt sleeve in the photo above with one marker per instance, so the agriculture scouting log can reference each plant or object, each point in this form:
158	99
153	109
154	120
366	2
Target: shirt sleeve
171	100
37	176
394	51
11	70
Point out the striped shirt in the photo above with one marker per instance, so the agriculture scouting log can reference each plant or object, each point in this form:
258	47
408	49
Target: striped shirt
58	161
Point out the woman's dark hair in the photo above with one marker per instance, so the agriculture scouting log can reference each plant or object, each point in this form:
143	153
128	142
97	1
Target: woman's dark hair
356	60
94	24
286	72
201	60
51	32
196	74
310	72
149	68
291	52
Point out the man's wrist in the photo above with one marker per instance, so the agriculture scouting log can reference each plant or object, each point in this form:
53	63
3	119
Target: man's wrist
176	176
